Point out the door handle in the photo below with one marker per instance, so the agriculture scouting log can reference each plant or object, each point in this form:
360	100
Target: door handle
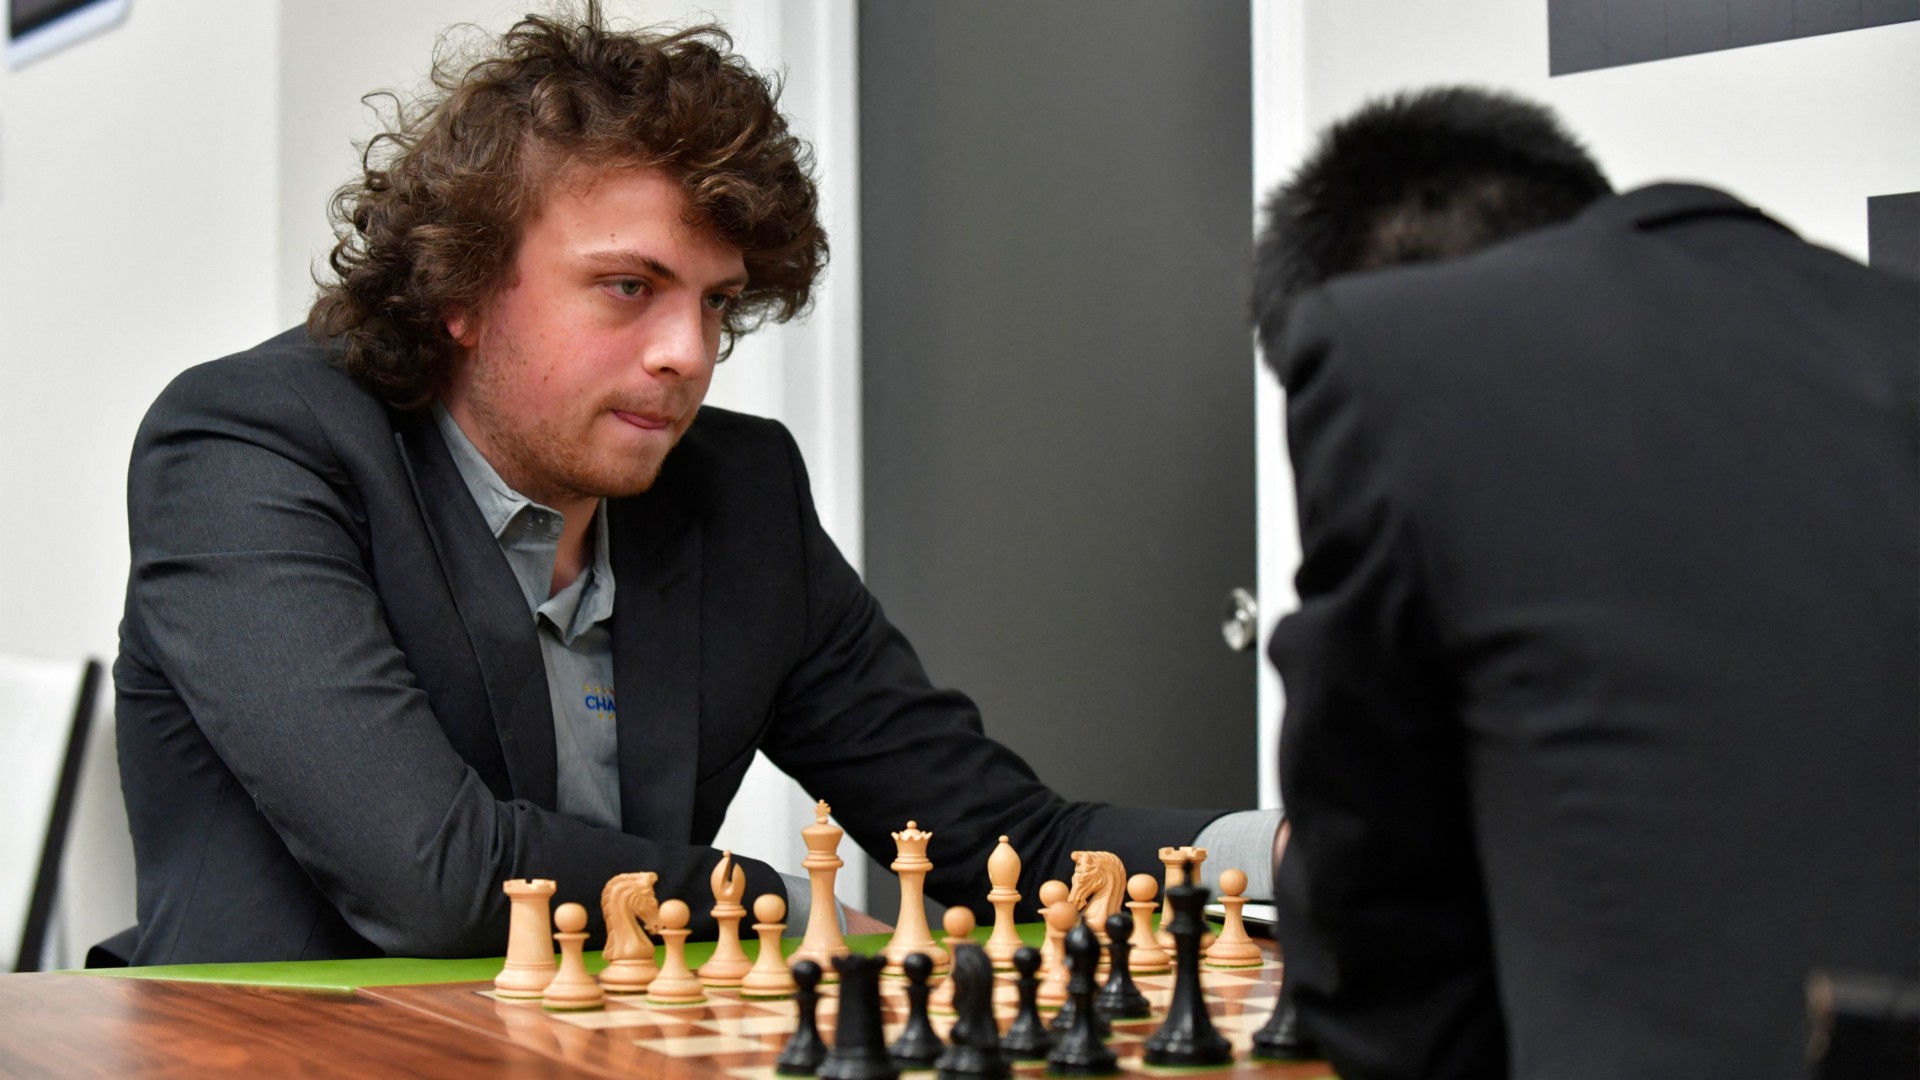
1240	626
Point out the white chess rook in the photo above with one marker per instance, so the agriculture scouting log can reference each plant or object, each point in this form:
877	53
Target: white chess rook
530	965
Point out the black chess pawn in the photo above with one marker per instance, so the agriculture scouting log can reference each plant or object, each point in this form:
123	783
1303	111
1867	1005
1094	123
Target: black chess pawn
974	1050
1069	1013
1281	1039
859	1042
805	1049
917	1046
1120	999
1188	1037
1078	1051
1027	1038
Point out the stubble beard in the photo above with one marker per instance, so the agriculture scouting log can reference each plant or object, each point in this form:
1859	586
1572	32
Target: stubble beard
539	459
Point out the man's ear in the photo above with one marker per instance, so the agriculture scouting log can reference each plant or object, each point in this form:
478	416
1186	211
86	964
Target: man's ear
462	327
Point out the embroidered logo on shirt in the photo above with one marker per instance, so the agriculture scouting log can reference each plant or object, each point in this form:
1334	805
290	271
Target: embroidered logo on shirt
600	700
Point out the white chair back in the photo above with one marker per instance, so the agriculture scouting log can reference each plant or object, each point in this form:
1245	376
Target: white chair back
45	709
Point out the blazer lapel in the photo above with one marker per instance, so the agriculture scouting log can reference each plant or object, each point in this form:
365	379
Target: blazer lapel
656	662
493	609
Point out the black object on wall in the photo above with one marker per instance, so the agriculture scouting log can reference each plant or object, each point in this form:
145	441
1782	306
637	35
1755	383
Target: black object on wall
1583	35
26	16
1893	233
1056	224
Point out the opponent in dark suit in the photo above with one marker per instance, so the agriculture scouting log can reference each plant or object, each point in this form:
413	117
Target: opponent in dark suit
335	726
1602	698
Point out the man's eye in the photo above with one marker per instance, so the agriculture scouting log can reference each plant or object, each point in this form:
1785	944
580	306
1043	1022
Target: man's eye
720	301
630	287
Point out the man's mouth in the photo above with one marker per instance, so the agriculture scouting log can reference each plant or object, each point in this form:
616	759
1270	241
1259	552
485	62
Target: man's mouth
650	421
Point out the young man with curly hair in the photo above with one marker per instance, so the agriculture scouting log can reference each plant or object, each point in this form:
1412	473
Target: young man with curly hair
460	583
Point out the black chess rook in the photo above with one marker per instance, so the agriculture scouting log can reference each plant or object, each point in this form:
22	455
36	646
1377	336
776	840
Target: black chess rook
859	1042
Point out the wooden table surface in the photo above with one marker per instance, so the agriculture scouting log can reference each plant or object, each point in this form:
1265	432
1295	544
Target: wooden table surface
73	1025
86	1026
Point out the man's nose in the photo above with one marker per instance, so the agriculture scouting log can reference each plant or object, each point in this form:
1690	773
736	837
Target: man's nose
680	349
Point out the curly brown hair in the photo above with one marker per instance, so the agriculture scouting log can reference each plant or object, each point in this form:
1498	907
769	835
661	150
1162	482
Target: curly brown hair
433	223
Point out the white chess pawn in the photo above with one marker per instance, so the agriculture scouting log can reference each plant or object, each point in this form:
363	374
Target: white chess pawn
1052	950
1061	917
1234	947
572	988
1147	957
958	923
675	985
770	977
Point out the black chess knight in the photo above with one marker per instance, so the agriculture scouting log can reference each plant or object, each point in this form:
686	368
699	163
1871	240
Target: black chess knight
973	1050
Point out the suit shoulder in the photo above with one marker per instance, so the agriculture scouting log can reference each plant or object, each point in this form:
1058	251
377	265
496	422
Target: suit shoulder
285	372
285	395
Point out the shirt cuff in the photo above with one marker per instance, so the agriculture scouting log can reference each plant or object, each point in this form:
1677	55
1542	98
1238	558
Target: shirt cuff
1241	841
799	904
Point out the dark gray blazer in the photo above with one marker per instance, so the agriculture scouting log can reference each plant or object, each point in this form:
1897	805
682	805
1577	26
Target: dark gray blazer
1603	699
335	733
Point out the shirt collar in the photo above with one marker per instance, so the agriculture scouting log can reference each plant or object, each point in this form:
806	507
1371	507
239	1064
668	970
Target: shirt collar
572	610
498	502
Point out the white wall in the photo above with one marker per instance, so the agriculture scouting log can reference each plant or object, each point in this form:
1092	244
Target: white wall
1805	129
136	228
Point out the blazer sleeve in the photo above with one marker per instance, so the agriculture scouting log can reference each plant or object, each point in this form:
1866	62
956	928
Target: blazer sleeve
857	722
250	594
1382	915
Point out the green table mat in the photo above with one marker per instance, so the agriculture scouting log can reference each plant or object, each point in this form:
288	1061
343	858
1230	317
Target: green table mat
344	976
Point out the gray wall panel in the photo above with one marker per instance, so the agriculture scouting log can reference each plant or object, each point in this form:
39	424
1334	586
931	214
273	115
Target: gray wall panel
1058	381
1587	34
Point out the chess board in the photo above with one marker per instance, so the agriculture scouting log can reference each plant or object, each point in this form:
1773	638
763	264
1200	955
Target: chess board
729	1038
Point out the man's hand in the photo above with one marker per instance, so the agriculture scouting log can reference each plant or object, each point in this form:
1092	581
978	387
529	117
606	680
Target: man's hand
1280	847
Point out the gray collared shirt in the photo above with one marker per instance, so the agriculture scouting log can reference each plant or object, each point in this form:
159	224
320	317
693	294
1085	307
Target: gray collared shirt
576	641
